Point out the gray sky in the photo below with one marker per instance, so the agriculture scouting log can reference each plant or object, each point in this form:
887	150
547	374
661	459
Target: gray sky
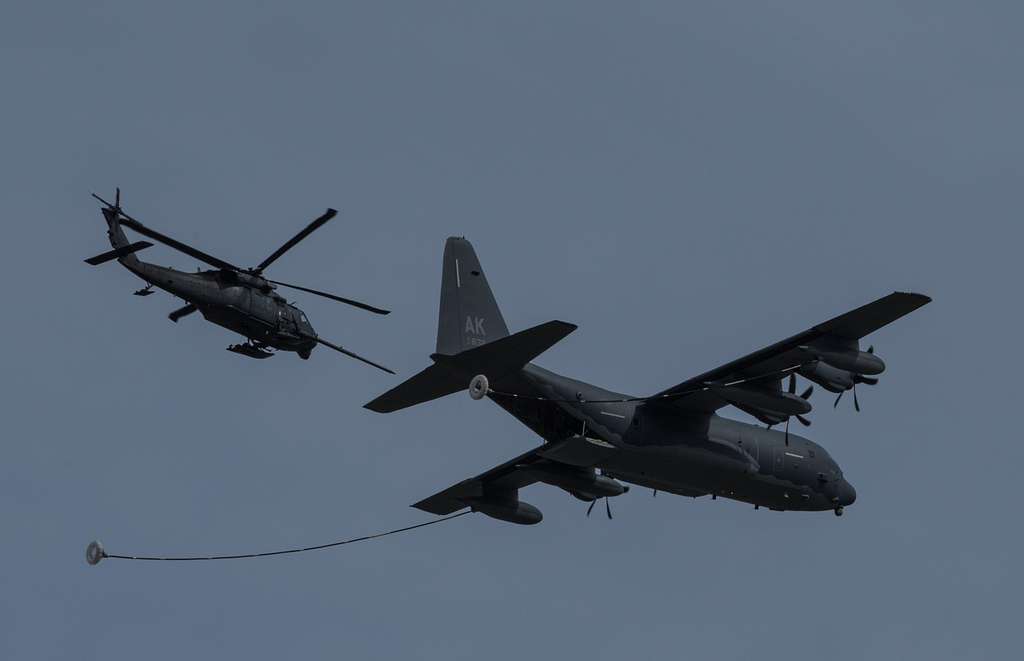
687	183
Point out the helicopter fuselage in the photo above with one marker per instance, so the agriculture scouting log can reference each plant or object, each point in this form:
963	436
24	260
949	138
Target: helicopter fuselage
229	300
239	299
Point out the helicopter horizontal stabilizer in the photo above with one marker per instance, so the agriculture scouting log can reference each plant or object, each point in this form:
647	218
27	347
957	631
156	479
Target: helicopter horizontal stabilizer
117	253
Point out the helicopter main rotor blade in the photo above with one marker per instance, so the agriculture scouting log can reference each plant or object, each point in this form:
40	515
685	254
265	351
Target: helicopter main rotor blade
309	229
352	355
135	225
348	301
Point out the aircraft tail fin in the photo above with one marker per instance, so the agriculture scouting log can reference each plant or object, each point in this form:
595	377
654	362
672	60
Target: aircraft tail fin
122	248
469	316
472	337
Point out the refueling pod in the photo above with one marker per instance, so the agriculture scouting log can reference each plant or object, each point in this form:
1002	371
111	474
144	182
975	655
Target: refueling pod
511	510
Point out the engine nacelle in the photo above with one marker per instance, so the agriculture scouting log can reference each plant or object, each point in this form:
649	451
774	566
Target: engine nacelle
858	362
772	401
830	378
513	511
253	281
572	479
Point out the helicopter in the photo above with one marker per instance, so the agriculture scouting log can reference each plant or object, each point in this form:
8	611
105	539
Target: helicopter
239	299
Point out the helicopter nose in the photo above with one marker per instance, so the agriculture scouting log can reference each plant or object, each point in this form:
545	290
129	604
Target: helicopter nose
847	494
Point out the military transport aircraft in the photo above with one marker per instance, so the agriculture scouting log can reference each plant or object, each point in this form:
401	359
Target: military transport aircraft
674	441
242	300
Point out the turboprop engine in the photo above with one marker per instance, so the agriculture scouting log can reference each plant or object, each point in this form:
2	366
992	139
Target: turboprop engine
770	405
851	360
764	399
581	482
841	370
830	378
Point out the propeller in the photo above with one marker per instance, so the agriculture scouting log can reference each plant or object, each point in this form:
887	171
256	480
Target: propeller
116	206
607	507
806	394
858	378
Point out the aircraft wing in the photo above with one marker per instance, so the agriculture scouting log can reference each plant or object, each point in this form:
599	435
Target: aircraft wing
774	361
506	477
576	450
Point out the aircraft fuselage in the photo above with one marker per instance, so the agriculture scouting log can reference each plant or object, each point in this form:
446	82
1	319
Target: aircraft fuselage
264	317
664	449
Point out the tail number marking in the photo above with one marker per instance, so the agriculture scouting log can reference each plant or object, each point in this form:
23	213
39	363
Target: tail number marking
475	326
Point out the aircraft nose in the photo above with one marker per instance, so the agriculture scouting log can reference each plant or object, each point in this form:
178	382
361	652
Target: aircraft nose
847	494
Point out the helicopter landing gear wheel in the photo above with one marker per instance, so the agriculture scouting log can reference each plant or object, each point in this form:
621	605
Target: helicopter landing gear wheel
838	510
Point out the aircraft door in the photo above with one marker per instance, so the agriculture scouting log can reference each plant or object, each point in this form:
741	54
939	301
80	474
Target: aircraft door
759	451
292	320
778	460
263	308
243	297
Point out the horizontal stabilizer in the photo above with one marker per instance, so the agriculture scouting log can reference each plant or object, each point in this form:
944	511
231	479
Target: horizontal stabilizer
432	383
500	357
451	373
117	253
